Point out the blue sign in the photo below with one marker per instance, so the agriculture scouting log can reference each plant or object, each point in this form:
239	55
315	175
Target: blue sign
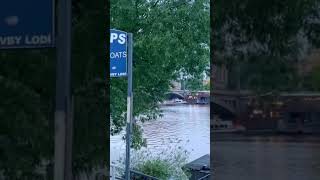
118	53
26	24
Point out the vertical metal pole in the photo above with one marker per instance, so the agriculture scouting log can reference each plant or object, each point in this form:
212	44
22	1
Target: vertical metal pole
129	106
238	110
69	140
62	160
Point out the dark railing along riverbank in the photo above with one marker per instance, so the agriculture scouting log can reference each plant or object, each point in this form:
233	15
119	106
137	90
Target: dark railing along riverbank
117	172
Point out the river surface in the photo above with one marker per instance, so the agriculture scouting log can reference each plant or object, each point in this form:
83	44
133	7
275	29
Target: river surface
234	157
240	157
187	126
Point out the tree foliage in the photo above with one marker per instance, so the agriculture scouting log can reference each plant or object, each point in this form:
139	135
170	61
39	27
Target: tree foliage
25	110
195	84
265	38
170	37
27	79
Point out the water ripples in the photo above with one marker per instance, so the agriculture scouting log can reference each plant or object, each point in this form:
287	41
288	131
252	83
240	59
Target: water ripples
184	126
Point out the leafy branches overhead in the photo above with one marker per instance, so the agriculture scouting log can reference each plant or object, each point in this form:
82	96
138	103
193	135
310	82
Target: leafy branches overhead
169	37
265	33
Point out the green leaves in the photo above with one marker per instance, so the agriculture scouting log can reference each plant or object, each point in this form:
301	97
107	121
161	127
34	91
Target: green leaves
27	80
169	37
166	164
265	38
156	168
26	132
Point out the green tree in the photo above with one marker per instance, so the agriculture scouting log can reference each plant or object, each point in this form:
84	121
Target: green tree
27	79
264	38
170	37
195	83
25	110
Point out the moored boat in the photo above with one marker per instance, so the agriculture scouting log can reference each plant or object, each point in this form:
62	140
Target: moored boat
225	126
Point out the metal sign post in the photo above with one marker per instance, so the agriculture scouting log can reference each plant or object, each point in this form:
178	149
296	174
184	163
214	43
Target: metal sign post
121	50
63	119
129	107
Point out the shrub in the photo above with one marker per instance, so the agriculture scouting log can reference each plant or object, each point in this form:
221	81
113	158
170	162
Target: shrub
168	164
157	168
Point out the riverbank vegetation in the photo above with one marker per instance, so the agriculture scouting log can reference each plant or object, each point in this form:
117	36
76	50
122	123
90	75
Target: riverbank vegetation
171	38
167	164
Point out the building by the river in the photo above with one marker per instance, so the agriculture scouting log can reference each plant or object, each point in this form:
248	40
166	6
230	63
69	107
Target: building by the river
203	97
290	113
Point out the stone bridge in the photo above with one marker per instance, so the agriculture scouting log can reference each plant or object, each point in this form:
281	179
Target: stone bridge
225	103
200	97
231	104
179	94
228	104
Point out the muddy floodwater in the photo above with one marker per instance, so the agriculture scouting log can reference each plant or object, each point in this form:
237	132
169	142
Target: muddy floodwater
187	126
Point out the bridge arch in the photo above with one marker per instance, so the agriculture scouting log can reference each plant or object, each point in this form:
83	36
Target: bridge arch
174	95
222	109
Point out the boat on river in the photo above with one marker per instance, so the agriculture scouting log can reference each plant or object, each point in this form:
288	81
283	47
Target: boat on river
174	102
225	126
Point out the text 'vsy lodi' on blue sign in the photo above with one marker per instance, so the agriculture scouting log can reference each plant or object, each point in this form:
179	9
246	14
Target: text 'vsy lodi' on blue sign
27	24
118	53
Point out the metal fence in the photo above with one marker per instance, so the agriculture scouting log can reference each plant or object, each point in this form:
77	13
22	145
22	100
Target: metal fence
206	177
117	173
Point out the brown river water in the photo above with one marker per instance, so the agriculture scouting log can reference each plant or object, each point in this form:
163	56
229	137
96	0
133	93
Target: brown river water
187	126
